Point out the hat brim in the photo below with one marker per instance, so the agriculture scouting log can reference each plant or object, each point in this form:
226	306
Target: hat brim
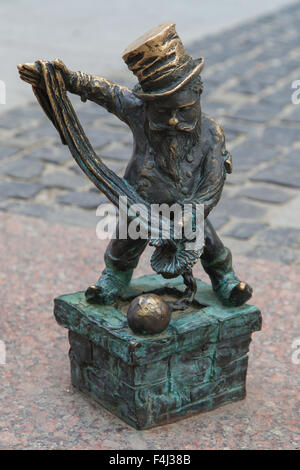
138	91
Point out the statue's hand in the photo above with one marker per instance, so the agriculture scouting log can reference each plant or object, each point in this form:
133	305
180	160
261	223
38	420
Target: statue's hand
30	73
60	65
66	73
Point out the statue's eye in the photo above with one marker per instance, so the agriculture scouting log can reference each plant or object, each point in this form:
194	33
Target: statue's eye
183	110
188	110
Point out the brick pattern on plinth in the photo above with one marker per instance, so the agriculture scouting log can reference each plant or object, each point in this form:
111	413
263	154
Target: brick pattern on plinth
197	364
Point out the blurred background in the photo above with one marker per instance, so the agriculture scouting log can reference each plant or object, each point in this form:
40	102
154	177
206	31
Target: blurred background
91	35
252	58
252	54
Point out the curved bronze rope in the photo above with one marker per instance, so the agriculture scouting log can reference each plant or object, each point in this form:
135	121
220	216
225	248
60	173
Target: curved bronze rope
60	111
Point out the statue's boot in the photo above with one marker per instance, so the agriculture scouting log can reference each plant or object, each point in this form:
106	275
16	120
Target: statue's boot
109	286
121	258
228	287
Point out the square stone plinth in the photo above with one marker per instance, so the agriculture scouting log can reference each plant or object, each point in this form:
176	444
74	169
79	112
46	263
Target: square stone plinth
198	363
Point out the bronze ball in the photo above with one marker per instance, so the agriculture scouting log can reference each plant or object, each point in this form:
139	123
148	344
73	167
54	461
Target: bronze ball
148	314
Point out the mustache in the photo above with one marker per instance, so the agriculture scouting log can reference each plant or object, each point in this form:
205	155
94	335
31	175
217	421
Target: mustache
181	126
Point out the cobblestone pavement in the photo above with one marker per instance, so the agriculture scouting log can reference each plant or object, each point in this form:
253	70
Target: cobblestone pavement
248	77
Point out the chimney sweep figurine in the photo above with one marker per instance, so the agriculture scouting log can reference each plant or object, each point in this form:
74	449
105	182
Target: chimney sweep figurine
179	156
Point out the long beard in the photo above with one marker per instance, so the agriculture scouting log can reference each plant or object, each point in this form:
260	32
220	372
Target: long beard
172	148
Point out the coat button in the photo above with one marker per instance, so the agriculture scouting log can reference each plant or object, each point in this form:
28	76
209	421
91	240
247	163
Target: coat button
190	158
185	190
189	174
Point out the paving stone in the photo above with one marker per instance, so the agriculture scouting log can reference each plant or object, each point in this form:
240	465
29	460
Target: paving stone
239	47
241	164
286	172
288	237
6	151
78	217
236	178
74	216
76	168
118	153
87	114
266	55
245	231
116	124
266	194
235	207
257	112
53	154
32	210
101	137
292	160
44	130
5	205
280	97
63	180
249	129
218	220
211	108
18	189
291	63
86	200
230	135
117	167
290	10
127	139
23	168
246	86
87	120
294	115
262	78
274	254
249	154
269	75
210	84
235	69
18	117
281	136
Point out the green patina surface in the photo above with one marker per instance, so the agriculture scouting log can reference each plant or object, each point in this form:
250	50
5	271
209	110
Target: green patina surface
196	364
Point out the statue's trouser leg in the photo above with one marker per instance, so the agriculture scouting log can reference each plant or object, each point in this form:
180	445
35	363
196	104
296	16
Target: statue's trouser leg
217	262
121	257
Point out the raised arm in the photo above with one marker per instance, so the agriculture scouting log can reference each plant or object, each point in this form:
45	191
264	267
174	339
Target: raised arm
117	99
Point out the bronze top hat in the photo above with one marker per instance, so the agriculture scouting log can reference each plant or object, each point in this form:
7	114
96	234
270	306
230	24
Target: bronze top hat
160	62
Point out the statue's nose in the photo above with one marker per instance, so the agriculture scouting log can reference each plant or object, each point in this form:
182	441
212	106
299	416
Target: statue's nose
173	121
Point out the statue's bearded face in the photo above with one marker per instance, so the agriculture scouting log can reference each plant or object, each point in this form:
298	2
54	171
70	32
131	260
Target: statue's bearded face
173	126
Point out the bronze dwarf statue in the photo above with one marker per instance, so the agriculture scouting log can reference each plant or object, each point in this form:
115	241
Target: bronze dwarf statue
179	156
